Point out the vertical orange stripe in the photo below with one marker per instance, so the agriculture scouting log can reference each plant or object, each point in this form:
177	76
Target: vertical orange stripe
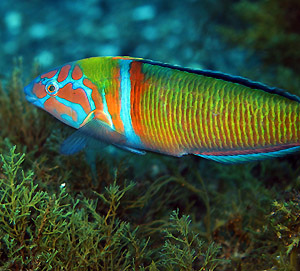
179	118
156	119
167	98
197	115
298	124
95	94
170	115
113	99
216	120
188	130
212	121
190	98
282	119
138	88
238	122
248	119
289	113
203	120
148	111
254	109
220	118
269	122
233	113
293	127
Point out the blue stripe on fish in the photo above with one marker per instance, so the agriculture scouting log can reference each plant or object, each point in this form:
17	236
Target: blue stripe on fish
81	115
40	102
79	84
125	90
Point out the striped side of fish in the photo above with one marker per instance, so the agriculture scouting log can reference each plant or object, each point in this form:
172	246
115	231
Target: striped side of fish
139	105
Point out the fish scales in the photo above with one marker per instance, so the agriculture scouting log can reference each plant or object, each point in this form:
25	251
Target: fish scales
164	95
236	101
168	109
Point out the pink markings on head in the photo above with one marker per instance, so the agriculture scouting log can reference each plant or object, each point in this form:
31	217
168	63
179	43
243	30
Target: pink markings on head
95	94
57	109
39	90
49	74
76	96
89	84
63	74
77	73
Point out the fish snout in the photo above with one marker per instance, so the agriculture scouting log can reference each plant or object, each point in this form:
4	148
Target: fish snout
28	89
30	96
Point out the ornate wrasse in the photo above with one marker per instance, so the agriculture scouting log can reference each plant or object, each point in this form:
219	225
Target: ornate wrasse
139	105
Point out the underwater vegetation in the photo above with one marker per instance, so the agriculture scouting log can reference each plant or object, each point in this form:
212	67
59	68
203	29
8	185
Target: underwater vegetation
154	212
157	213
42	231
269	30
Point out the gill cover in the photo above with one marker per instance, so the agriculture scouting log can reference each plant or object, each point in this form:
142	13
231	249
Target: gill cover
63	93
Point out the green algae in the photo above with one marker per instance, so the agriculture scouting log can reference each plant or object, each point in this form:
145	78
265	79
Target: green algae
54	217
269	30
43	231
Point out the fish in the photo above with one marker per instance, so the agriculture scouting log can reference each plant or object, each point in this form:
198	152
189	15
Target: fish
141	105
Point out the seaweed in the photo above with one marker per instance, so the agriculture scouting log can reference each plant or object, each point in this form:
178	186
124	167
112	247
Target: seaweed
285	223
269	30
61	219
43	231
21	123
53	215
184	249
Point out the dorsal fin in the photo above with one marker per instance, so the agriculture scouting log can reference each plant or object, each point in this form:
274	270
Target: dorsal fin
226	77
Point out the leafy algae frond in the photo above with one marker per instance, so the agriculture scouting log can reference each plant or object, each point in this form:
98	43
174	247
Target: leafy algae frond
285	223
43	231
184	249
270	29
39	231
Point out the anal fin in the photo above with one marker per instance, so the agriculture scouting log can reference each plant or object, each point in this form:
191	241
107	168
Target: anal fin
131	149
248	157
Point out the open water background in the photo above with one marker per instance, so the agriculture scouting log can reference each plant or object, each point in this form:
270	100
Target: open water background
178	32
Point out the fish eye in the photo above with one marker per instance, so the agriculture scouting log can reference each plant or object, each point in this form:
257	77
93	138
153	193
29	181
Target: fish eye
52	88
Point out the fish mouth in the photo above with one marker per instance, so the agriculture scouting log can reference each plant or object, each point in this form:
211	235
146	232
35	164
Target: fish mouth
27	89
30	97
35	101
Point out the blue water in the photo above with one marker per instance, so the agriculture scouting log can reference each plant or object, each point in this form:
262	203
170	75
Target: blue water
56	32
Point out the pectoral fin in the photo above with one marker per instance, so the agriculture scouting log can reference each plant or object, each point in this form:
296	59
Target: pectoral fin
95	133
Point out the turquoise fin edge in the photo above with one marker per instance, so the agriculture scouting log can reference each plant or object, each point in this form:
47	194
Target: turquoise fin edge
243	158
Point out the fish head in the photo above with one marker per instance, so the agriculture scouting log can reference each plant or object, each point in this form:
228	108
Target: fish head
63	93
